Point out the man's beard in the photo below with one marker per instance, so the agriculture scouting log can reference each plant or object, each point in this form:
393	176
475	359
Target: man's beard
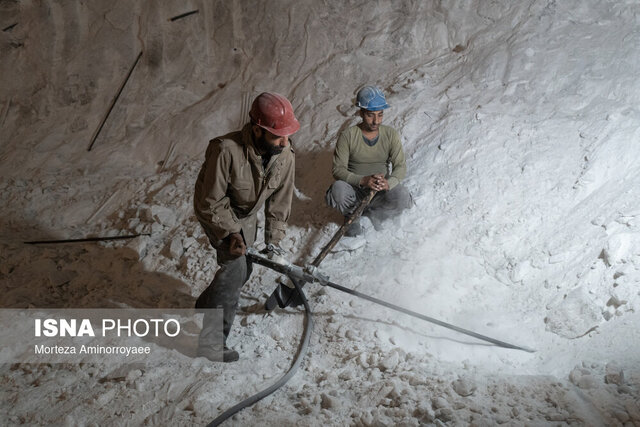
371	128
264	146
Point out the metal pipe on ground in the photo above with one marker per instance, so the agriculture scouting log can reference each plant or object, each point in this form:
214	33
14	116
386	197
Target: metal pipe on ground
85	239
299	274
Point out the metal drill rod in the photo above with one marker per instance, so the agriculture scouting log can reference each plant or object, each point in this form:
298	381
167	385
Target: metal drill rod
297	273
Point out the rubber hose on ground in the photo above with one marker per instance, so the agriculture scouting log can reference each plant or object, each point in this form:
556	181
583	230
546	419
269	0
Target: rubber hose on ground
308	327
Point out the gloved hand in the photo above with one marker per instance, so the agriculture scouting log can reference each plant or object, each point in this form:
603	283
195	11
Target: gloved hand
274	253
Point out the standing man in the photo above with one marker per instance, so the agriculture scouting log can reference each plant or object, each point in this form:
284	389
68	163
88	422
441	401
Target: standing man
242	171
361	162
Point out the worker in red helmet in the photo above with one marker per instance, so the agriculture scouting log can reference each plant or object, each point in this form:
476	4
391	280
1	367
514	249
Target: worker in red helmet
243	171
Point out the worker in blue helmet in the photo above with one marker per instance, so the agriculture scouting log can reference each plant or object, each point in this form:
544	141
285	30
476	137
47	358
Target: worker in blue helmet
371	98
367	156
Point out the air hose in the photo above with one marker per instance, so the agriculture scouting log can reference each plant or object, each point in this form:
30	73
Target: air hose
302	351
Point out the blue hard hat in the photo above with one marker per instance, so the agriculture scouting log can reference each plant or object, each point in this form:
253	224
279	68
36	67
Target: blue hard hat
371	98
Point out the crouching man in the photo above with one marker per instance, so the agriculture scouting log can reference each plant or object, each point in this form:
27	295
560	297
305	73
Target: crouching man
362	158
243	171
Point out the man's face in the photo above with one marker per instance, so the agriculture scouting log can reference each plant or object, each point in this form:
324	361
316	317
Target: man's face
371	120
268	143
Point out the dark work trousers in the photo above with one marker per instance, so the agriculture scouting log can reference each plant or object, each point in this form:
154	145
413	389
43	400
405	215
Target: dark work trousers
223	292
385	204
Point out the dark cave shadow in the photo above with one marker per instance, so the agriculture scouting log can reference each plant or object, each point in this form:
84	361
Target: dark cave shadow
118	281
313	178
89	275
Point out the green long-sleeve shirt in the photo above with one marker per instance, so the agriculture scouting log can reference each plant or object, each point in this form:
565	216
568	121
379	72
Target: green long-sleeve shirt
353	158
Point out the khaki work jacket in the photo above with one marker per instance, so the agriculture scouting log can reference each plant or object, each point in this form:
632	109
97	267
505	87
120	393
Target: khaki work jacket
233	185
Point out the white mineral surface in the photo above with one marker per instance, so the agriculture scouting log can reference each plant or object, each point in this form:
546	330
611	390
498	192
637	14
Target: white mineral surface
521	125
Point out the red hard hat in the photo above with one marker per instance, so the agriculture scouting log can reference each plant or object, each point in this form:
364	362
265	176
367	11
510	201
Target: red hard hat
273	112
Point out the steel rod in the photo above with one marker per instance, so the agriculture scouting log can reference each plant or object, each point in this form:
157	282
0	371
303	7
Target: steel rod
113	102
86	239
297	273
184	15
427	318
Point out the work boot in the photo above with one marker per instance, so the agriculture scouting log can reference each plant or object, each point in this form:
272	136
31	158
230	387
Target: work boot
229	355
213	354
355	229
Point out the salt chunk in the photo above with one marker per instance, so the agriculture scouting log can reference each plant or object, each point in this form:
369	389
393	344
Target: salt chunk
139	246
188	242
463	387
574	315
445	414
613	374
276	334
156	228
144	213
133	375
426	414
106	397
575	375
373	359
175	248
362	360
307	407
329	402
501	418
587	382
556	417
391	361
163	215
133	223
521	271
617	249
615	302
439	402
